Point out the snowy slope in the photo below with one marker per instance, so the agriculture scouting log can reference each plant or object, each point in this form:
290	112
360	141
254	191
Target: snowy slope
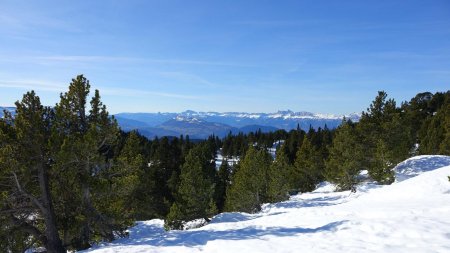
411	215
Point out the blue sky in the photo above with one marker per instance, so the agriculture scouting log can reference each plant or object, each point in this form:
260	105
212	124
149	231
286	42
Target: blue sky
254	56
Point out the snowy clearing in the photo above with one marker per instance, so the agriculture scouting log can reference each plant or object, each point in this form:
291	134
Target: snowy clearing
411	215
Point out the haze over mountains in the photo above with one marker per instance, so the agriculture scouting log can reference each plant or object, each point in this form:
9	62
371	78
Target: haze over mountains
9	109
200	125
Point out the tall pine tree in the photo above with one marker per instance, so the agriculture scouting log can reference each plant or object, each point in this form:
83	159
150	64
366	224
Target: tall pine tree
249	185
309	167
278	185
346	158
27	204
385	138
195	196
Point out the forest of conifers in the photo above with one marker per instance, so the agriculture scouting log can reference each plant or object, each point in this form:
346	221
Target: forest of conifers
69	177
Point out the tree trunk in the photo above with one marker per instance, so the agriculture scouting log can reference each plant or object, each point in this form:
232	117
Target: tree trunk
53	243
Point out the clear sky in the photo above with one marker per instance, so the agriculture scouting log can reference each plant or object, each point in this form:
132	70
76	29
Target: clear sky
253	56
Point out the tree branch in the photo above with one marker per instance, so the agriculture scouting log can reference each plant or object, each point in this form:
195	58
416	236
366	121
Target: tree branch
33	199
28	228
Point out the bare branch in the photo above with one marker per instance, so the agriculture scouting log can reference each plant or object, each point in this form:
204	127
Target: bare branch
33	199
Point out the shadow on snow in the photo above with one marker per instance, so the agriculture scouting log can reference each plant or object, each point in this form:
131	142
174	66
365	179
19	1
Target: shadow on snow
314	202
156	236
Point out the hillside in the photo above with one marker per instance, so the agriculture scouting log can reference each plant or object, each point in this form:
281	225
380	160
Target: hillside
202	124
410	215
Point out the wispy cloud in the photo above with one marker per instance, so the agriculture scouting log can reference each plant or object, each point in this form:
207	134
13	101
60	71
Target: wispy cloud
279	22
100	58
26	21
191	78
97	58
126	92
32	85
81	58
41	85
395	55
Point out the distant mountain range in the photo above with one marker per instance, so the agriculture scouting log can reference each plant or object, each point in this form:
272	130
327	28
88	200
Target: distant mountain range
9	109
199	125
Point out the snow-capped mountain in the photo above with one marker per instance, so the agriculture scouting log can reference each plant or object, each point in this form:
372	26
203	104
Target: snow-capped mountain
201	124
276	115
12	110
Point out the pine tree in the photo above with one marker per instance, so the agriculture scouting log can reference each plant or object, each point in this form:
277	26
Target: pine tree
279	177
444	147
293	143
83	142
25	176
196	190
248	189
223	182
345	159
309	167
386	139
175	218
416	112
435	136
126	181
164	165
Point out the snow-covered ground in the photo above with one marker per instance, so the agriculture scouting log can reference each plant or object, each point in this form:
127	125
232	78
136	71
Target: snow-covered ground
411	215
232	161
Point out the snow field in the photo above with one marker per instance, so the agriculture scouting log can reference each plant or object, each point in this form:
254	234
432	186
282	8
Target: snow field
411	215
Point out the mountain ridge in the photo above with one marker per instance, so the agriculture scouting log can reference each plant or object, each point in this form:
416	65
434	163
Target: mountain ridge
201	124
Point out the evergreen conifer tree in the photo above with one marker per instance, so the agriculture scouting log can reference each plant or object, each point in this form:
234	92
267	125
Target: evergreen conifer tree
385	138
444	147
129	182
279	177
25	175
82	143
248	189
223	181
61	164
435	138
195	194
309	167
345	159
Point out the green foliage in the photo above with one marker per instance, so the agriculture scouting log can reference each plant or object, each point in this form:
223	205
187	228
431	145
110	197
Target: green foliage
195	194
85	181
174	219
165	161
223	181
382	165
125	181
249	185
309	167
385	138
345	160
86	178
57	166
13	239
279	178
435	132
444	147
293	143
